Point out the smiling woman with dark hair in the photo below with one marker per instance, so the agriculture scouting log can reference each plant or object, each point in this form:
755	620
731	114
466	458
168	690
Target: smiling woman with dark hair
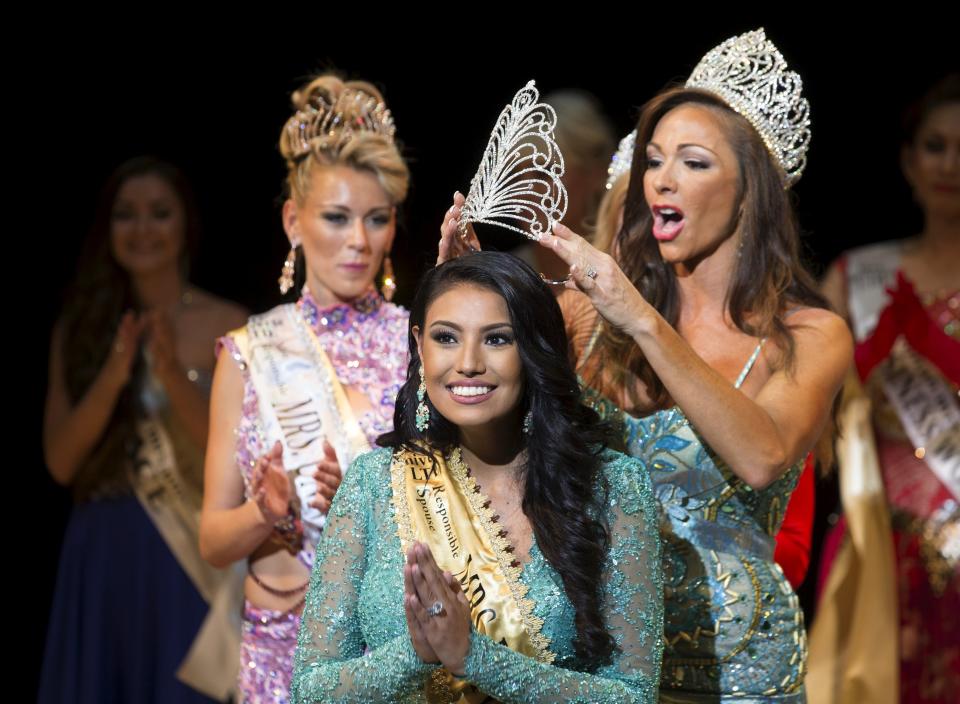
494	548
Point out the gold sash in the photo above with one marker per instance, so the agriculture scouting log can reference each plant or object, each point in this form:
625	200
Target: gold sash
436	502
853	655
173	505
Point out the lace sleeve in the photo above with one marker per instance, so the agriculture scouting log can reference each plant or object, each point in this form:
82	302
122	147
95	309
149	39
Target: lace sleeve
330	664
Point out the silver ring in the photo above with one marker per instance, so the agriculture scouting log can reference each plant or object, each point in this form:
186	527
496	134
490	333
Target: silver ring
592	273
435	608
554	282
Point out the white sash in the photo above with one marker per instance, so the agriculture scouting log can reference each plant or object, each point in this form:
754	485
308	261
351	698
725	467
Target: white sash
870	271
925	402
929	411
301	401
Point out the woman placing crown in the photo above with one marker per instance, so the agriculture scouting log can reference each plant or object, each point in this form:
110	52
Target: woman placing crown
795	537
707	287
304	388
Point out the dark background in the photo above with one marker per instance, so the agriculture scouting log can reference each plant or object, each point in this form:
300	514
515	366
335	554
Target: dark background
214	101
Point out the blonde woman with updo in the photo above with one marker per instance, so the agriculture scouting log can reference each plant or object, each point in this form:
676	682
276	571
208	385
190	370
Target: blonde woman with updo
304	388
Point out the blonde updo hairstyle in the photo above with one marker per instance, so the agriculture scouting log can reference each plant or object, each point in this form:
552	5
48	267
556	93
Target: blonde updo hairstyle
364	150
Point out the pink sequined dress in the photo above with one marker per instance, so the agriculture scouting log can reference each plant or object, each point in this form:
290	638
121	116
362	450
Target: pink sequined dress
366	341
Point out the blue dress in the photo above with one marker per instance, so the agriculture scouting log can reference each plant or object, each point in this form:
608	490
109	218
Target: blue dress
124	611
733	628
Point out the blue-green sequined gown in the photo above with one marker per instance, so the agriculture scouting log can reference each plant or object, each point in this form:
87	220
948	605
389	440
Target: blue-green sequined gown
733	626
354	645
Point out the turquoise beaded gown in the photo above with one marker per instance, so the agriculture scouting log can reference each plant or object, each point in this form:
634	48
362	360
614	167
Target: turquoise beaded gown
733	628
354	646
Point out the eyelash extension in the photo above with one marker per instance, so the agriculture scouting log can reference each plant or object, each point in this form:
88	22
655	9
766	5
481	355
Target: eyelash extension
506	337
440	335
437	336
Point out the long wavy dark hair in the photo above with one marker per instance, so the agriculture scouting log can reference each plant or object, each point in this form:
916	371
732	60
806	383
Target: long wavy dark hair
97	299
770	276
564	489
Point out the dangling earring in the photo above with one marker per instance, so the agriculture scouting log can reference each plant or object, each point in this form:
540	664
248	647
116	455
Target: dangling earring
289	269
528	423
389	282
423	413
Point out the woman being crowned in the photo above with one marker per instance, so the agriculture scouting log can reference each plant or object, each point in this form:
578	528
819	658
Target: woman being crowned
476	557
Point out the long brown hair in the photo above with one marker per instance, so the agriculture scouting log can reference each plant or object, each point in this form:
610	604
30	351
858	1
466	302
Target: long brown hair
97	299
769	277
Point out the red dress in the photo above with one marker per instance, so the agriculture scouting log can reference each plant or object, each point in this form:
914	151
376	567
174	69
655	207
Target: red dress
924	512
